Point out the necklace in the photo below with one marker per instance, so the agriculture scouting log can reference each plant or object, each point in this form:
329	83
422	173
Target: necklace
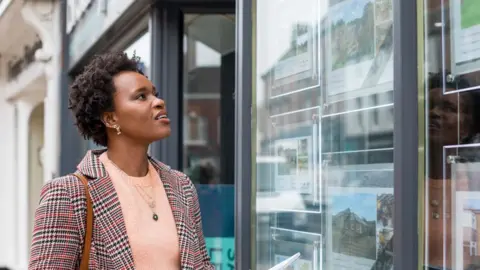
150	201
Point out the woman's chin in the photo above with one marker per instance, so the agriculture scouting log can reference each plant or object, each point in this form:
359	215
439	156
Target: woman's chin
163	135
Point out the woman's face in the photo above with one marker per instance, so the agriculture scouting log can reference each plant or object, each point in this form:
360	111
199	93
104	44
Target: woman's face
449	117
139	113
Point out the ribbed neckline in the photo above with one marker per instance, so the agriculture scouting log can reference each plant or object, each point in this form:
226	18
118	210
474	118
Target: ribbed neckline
143	181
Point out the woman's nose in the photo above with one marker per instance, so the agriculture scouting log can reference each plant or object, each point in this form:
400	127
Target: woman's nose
435	111
159	103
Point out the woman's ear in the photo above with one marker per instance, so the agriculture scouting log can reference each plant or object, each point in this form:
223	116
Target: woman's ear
109	119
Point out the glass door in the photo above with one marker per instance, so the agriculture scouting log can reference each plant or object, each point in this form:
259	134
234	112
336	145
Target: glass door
323	109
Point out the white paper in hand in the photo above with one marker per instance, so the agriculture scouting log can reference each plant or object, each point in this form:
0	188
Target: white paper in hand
286	263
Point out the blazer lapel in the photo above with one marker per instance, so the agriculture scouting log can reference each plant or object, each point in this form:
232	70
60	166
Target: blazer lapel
179	206
107	211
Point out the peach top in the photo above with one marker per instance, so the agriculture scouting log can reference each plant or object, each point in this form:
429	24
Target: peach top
154	244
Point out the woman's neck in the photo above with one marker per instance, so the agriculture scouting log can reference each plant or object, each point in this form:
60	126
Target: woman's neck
130	158
436	164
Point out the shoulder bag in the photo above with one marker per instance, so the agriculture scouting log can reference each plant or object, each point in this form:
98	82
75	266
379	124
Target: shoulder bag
88	232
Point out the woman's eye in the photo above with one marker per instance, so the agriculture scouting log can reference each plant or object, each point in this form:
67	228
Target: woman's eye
142	97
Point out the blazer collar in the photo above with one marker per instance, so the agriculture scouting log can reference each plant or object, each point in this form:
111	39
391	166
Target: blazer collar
108	212
92	167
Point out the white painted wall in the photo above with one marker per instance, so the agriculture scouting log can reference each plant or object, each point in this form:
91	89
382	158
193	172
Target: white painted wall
24	128
7	184
35	170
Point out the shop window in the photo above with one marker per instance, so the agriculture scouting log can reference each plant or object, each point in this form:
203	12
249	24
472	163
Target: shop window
195	129
452	159
321	69
141	48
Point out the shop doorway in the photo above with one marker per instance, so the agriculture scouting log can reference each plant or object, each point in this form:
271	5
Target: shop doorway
208	125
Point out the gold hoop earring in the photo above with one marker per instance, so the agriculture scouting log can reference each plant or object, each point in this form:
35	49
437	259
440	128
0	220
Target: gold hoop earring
117	127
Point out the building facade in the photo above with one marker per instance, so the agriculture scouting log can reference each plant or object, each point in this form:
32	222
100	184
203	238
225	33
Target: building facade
337	126
30	69
344	130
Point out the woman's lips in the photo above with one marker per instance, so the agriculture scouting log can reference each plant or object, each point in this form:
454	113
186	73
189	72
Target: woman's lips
164	120
434	125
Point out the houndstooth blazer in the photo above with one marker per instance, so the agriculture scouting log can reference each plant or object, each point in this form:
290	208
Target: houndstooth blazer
60	221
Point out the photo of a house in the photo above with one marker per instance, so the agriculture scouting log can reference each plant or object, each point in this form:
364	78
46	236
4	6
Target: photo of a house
470	218
352	33
354	225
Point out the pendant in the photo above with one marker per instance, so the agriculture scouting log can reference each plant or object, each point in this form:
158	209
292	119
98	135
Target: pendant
155	217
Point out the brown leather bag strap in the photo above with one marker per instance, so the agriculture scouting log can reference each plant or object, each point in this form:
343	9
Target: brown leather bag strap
88	233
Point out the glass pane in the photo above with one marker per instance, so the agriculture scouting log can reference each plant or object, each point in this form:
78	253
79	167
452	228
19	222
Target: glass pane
141	48
208	81
452	186
324	134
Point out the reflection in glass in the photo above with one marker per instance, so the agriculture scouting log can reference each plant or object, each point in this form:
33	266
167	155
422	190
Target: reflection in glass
324	130
208	81
452	186
141	48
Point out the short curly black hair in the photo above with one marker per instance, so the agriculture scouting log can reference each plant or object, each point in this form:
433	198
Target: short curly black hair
91	93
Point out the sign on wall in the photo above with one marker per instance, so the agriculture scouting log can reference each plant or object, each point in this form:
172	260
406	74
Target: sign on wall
221	251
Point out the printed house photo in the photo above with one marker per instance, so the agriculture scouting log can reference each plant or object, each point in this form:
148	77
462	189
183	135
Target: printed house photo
290	154
470	222
352	32
354	225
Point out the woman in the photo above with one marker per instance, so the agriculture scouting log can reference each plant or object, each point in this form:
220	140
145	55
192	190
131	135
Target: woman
452	121
146	215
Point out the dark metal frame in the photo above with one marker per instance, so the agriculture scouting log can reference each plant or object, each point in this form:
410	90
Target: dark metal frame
70	152
243	137
406	132
167	62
